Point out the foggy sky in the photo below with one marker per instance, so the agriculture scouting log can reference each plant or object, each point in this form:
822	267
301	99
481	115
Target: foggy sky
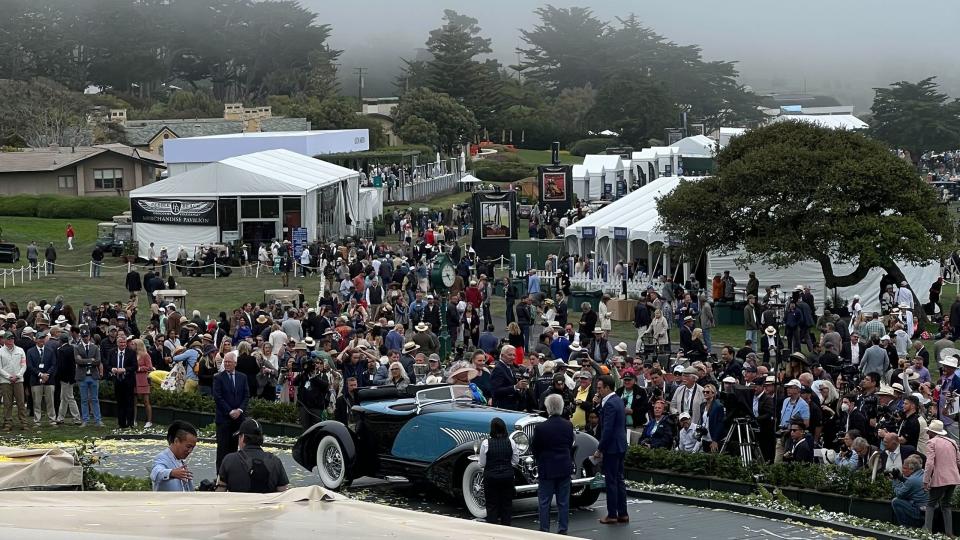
842	48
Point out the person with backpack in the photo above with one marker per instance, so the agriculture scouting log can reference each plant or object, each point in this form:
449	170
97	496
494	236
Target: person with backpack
251	469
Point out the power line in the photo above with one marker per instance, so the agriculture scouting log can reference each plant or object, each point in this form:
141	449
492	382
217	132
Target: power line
360	71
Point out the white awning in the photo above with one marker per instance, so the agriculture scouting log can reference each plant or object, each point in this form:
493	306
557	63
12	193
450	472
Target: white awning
271	172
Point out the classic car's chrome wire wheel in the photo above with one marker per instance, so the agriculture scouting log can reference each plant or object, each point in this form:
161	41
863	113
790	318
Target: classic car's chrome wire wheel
331	466
472	489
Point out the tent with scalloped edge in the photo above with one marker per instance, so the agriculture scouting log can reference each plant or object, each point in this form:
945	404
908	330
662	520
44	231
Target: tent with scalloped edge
629	229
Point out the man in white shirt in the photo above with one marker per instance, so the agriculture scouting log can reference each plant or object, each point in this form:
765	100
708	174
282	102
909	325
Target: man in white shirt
688	397
13	365
688	435
853	350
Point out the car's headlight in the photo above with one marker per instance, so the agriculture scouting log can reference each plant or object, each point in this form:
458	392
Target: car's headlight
521	440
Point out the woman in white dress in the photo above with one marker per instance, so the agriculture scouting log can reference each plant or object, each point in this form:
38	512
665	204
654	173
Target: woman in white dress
603	314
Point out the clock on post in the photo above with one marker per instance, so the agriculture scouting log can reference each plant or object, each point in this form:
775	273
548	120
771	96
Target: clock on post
442	278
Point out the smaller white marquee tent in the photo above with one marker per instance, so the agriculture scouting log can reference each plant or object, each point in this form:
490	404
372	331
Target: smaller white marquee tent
696	146
628	228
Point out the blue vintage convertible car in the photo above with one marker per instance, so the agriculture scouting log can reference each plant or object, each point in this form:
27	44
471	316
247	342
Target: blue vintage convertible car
430	434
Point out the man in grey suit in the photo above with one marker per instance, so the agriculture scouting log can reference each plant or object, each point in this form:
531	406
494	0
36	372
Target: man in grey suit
89	372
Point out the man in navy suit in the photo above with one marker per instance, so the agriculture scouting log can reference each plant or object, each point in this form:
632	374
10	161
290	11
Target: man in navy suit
122	366
231	395
612	450
503	382
553	450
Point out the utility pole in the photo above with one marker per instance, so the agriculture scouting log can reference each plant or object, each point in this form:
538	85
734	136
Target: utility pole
360	71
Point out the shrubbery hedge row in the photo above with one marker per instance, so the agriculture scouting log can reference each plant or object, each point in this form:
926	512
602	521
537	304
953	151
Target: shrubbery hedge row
55	206
824	478
592	146
490	171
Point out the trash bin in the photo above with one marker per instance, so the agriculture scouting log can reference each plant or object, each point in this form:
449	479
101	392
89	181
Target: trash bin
520	284
579	297
730	313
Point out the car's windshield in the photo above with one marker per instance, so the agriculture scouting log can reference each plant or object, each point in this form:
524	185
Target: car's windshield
450	393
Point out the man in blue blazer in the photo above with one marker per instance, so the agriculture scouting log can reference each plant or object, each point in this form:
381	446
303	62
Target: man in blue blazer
553	450
231	395
503	382
613	450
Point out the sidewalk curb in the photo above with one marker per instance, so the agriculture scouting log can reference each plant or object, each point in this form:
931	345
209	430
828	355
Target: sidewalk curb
764	513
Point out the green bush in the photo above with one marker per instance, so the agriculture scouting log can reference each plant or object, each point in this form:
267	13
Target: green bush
828	479
596	145
19	206
266	411
490	171
56	206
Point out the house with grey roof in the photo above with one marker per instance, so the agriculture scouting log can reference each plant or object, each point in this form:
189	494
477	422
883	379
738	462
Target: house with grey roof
150	134
91	171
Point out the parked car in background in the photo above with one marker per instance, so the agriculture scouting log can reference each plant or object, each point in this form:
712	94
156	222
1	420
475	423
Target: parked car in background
431	434
9	253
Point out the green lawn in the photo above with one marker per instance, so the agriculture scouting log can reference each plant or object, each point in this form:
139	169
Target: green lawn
77	288
541	157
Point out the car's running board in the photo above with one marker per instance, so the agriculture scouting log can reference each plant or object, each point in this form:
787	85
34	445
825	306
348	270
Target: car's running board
533	487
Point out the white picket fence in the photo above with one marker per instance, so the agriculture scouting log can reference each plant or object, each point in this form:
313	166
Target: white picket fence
635	287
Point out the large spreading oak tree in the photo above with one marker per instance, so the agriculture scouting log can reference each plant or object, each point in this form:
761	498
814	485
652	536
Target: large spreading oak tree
792	192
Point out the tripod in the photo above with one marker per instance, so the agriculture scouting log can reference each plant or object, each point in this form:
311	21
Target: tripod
743	431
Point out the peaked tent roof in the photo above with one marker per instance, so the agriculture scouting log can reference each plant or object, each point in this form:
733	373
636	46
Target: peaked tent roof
271	172
597	163
832	121
696	145
637	212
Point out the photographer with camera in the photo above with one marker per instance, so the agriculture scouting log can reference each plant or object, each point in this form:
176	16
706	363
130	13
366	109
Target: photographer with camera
712	413
793	409
909	497
313	393
690	438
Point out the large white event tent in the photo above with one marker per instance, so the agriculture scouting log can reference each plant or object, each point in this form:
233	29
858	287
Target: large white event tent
628	229
832	121
257	197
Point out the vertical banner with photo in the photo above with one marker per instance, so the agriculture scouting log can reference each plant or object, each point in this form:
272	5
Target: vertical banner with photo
494	223
556	185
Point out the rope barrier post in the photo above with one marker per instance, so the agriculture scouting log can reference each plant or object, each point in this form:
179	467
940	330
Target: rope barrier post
90	272
128	265
4	278
258	270
21	274
214	269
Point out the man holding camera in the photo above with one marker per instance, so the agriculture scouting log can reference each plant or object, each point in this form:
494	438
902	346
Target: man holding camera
793	409
799	448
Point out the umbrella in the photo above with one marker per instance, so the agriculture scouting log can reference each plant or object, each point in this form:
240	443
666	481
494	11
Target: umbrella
469	179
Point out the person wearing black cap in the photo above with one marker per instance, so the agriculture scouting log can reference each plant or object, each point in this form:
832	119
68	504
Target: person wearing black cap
250	469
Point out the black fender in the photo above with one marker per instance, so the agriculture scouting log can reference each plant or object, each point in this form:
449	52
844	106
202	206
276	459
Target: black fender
305	449
444	471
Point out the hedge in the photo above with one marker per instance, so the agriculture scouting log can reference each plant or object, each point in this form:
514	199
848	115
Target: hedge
592	146
490	171
824	478
56	206
263	410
